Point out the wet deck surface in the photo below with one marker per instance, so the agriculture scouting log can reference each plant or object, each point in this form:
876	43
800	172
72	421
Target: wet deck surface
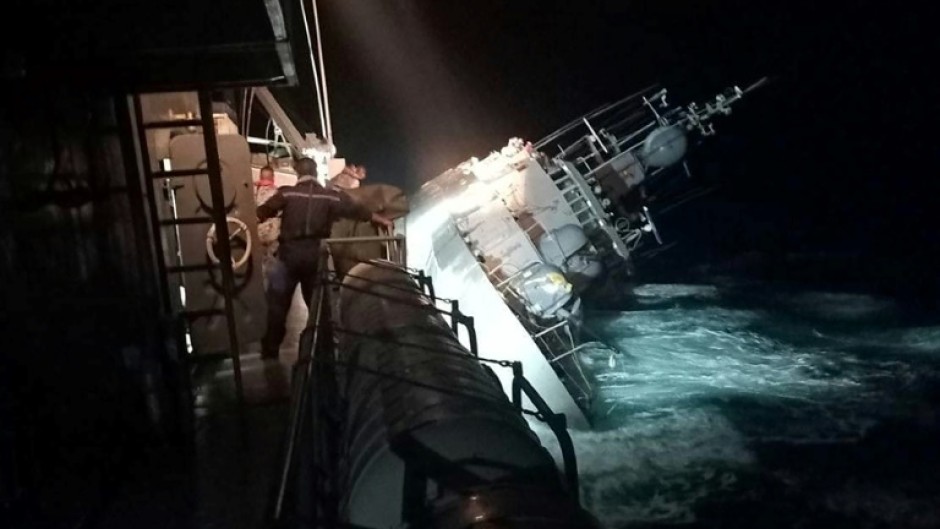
227	478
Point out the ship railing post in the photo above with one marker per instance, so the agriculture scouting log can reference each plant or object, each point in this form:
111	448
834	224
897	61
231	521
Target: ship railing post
472	334
557	422
559	425
427	284
414	492
517	379
403	252
454	315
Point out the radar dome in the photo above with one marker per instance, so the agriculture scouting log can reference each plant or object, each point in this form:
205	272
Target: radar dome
664	146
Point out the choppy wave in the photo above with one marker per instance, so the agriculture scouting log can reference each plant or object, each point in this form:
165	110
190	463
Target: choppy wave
657	467
887	508
703	383
922	339
660	291
679	354
837	306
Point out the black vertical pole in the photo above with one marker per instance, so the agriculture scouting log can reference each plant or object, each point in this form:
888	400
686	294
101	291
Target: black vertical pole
214	170
142	155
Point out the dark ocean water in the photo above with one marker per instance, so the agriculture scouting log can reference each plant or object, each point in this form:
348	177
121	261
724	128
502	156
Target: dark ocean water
743	404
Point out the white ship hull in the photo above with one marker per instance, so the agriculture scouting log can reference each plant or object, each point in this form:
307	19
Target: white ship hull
441	253
518	236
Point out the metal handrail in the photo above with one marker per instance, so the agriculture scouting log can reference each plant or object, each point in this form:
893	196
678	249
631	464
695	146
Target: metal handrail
365	238
309	341
313	341
557	422
596	207
397	252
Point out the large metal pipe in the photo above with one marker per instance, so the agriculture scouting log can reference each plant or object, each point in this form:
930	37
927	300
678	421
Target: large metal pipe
429	436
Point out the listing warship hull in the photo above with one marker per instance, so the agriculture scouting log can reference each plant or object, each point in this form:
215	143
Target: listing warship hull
518	238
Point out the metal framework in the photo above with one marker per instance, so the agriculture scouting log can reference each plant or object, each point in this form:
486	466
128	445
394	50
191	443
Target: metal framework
217	218
314	400
616	137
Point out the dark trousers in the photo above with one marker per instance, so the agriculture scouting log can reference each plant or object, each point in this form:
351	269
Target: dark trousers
296	263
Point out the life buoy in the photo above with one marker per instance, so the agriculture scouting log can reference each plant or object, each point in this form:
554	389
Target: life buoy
240	228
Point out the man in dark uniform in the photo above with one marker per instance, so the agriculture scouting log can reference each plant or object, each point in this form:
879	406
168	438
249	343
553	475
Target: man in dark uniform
308	211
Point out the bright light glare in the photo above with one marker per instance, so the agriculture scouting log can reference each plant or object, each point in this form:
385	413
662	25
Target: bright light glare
475	196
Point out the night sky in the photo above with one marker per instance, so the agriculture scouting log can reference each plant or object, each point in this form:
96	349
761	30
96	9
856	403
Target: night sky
834	157
826	180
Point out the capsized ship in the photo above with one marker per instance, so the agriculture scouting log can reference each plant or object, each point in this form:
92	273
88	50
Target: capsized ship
519	236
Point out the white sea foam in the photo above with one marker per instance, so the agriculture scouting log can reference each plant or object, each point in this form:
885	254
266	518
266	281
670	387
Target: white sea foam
699	384
655	469
660	291
836	306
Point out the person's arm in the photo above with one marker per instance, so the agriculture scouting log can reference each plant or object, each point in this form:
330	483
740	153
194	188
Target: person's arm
271	206
348	208
382	221
351	209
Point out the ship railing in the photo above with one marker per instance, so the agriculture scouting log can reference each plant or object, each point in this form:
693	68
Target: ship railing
561	348
314	390
588	208
597	219
556	341
606	136
649	92
651	110
395	245
316	343
304	404
557	422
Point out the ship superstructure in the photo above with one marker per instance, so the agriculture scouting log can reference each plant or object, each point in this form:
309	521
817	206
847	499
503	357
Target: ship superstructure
517	237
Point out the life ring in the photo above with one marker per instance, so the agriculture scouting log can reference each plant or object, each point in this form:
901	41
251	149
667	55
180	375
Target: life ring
240	227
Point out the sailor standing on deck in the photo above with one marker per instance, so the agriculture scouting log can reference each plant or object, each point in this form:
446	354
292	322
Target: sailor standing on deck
268	230
308	211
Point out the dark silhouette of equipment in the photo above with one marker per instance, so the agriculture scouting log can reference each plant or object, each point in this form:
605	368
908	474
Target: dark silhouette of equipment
409	428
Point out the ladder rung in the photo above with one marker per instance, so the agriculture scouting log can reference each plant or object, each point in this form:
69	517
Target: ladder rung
582	210
194	314
186	220
180	172
190	268
173	123
205	358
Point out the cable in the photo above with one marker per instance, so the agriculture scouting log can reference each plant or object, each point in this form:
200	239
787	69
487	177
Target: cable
374	282
326	98
383	339
251	102
268	148
389	298
313	64
244	110
445	391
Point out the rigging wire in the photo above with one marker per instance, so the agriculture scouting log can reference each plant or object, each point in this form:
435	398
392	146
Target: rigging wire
313	64
349	367
328	133
251	101
244	110
338	283
425	348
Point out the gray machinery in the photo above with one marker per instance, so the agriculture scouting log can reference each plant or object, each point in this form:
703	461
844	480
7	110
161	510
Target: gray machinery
188	194
409	429
201	209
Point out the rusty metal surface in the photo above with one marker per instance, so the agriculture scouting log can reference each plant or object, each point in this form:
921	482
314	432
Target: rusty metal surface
204	289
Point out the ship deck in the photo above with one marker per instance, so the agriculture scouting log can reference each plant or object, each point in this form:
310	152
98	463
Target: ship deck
228	477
